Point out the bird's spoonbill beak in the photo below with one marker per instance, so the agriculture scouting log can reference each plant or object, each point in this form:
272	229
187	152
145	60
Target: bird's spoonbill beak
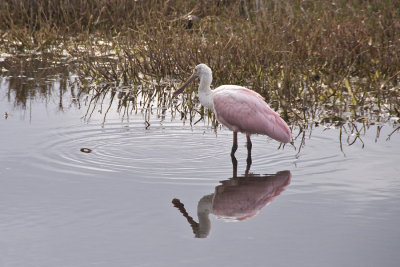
180	90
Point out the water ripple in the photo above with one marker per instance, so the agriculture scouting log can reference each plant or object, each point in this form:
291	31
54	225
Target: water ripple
144	154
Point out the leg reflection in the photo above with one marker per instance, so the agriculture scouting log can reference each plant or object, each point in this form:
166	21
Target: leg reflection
249	160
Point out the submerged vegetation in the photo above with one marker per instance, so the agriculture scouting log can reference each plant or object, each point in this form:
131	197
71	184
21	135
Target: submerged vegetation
325	62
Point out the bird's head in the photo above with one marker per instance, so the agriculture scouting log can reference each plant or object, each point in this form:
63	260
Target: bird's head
199	71
202	69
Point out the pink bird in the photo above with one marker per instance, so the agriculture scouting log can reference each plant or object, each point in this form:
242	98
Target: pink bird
239	109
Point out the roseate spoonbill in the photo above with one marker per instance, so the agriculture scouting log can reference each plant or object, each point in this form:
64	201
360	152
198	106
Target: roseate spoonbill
239	109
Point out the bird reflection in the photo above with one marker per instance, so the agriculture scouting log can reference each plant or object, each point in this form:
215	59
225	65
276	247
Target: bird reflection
236	199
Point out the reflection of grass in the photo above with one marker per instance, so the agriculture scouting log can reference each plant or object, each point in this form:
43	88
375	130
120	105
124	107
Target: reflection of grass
31	77
327	62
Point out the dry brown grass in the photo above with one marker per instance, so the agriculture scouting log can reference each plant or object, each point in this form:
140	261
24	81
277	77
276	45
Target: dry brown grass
338	60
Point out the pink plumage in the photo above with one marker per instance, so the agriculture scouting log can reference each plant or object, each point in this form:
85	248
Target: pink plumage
239	109
243	110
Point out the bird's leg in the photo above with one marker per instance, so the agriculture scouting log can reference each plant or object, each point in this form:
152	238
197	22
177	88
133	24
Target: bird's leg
234	166
234	148
235	145
249	145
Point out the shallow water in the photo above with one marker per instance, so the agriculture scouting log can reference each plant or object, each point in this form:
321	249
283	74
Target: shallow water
322	206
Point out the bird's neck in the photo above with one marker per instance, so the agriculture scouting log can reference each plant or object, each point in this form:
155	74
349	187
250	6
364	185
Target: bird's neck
205	92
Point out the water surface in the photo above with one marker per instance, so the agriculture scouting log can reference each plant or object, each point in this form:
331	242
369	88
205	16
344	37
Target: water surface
325	205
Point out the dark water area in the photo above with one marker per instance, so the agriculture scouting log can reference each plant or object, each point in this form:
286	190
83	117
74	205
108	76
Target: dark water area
154	190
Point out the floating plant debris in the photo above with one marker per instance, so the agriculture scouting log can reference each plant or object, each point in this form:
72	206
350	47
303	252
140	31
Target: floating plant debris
86	150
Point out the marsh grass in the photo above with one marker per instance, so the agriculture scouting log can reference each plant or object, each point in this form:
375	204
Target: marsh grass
315	62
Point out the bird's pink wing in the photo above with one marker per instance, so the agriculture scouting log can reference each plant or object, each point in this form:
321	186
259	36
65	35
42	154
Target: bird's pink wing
243	110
